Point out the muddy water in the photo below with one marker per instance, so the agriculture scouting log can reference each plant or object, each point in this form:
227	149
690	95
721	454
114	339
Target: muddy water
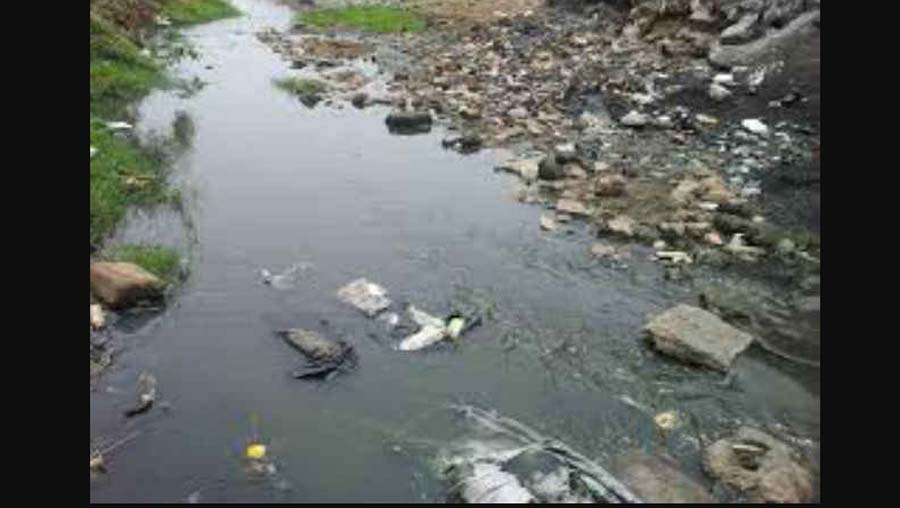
271	184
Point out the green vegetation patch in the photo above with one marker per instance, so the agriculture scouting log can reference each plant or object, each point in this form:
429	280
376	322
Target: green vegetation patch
122	173
190	12
161	261
120	73
301	86
370	18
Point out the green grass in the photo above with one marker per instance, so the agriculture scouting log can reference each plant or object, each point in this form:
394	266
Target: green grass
370	18
120	74
163	262
301	86
190	12
122	173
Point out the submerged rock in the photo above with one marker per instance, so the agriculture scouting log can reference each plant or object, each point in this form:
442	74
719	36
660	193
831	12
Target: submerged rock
658	479
366	296
550	169
760	466
697	336
407	122
324	355
119	285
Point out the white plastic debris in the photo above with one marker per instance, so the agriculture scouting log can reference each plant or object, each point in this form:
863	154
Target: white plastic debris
455	327
163	21
674	256
119	126
93	152
425	337
490	484
423	318
724	79
755	126
366	296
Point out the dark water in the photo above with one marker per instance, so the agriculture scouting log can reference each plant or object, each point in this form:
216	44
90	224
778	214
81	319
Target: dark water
269	183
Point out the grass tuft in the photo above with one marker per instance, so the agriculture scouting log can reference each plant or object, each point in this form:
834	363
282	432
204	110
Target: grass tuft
190	12
369	18
301	86
161	261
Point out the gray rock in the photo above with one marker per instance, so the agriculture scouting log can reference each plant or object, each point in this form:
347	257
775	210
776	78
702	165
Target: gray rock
526	168
572	207
565	153
658	479
408	121
740	32
359	100
610	186
549	169
728	56
312	345
366	296
760	466
635	119
755	126
697	336
718	92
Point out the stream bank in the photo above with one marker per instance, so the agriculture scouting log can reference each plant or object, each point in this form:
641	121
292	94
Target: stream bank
325	195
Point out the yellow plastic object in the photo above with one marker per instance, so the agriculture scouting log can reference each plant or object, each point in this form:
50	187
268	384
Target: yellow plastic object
667	420
256	451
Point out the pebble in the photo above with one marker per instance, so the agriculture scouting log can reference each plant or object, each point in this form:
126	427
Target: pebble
635	119
718	92
755	126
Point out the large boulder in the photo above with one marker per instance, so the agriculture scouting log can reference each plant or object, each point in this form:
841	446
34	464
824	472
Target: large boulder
760	466
769	47
120	285
697	336
658	479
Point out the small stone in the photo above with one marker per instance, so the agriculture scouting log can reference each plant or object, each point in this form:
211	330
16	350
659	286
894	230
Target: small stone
675	257
366	296
635	119
724	79
665	122
565	153
718	92
528	169
706	119
755	126
549	169
708	206
602	250
572	206
518	113
740	32
610	186
713	238
660	244
785	246
547	222
359	100
622	224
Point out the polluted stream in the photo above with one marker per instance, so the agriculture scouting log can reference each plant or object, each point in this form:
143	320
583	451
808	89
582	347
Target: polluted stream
322	196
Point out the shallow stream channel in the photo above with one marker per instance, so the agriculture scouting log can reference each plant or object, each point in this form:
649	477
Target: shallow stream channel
322	196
